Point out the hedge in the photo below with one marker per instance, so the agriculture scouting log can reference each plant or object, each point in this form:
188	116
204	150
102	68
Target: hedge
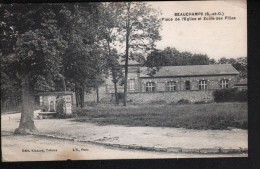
230	95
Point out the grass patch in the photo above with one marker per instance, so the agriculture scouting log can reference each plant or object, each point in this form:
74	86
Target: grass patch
191	116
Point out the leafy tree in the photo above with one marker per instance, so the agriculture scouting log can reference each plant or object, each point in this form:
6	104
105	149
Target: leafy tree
10	89
138	27
239	64
172	57
50	47
212	61
82	61
115	71
187	58
108	29
200	59
156	58
33	51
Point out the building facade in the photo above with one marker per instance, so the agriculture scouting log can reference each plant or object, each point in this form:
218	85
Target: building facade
241	85
171	83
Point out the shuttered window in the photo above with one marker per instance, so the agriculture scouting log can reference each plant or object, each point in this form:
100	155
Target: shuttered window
150	86
132	84
203	84
171	86
224	83
187	85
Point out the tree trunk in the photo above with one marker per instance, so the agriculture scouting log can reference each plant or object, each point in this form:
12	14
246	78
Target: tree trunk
82	97
26	125
63	83
77	99
126	53
116	95
76	94
113	74
97	94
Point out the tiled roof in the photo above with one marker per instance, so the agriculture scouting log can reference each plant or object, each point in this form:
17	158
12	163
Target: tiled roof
191	70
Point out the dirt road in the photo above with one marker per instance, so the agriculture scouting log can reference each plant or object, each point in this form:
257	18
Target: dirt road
35	148
158	137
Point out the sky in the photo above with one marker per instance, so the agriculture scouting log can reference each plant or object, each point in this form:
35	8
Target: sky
216	38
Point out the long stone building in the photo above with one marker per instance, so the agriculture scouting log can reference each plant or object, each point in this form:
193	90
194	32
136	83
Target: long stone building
170	84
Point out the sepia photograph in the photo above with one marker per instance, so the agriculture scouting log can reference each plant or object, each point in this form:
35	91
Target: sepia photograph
124	80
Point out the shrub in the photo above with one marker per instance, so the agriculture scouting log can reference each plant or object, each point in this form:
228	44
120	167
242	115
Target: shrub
230	95
172	103
201	102
158	102
91	104
183	101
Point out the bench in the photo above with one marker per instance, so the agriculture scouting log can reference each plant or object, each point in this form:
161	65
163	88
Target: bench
45	115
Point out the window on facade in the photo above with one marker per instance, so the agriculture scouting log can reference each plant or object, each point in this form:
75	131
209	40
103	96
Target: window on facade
224	84
171	86
203	84
187	85
150	86
132	84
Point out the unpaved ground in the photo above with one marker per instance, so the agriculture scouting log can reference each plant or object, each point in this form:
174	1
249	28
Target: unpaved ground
12	146
140	136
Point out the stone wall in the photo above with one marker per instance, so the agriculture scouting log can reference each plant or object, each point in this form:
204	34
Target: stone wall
145	97
131	76
139	94
169	97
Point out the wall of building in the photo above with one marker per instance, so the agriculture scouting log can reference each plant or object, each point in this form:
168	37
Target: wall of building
213	82
132	75
139	94
169	97
146	97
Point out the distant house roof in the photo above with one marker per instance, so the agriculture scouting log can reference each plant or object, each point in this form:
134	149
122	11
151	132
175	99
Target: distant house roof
191	70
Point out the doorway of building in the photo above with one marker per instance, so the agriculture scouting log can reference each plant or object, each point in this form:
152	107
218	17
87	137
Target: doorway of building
51	106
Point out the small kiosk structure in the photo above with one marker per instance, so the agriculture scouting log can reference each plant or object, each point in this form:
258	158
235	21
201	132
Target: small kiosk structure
49	102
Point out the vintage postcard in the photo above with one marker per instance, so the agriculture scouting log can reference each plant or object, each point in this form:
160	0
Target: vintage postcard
124	80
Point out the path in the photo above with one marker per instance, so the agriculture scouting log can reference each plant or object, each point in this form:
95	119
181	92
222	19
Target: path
147	138
13	146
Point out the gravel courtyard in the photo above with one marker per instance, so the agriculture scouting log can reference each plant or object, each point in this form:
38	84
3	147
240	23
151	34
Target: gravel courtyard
156	137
